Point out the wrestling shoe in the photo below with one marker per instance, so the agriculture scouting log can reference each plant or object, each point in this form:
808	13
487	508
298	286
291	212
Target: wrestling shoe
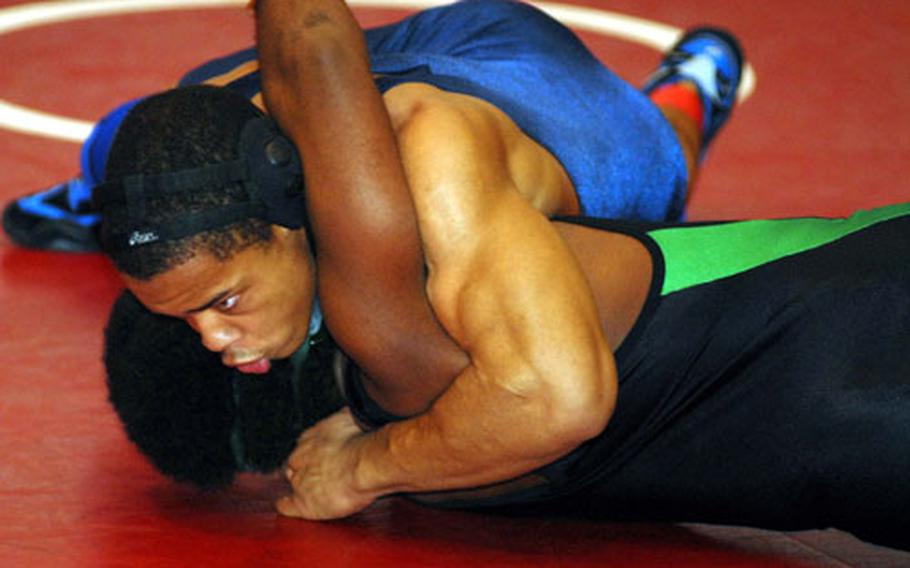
58	219
712	60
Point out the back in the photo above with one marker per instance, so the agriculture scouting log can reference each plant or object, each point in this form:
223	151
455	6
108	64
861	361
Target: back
620	153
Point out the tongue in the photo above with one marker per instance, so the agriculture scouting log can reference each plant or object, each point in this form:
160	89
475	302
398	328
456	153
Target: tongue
257	367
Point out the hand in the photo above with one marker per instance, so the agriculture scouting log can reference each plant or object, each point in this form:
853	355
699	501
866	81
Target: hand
321	471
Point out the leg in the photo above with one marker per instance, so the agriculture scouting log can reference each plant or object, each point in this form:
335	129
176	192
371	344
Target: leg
689	134
60	218
695	88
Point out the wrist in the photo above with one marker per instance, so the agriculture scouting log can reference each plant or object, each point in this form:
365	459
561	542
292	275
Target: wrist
370	472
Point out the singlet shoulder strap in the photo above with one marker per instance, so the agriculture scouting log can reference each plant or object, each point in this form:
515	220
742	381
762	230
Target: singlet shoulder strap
703	253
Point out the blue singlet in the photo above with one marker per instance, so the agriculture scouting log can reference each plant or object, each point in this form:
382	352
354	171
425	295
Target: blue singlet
621	154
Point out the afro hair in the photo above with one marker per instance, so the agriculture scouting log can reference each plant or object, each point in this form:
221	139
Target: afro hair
198	421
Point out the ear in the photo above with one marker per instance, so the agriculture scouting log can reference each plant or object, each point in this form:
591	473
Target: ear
292	237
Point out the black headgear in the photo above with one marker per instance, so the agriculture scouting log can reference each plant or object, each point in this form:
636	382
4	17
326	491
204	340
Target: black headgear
268	167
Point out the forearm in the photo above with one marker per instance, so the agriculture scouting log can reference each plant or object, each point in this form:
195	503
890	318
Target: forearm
318	85
476	434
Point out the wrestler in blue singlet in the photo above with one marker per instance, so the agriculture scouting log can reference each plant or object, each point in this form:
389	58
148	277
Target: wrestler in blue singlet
621	154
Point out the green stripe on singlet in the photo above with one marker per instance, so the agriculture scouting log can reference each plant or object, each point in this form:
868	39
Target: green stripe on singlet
699	254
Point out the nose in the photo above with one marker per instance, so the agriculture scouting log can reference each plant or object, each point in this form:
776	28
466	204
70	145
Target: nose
216	333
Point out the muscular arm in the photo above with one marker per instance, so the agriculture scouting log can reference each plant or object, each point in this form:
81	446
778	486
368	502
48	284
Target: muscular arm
317	84
541	378
506	287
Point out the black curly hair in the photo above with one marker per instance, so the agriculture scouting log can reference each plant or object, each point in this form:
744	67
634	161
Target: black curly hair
179	129
198	421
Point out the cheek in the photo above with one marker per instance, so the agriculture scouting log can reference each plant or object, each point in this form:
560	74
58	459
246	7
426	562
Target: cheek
283	316
297	294
289	300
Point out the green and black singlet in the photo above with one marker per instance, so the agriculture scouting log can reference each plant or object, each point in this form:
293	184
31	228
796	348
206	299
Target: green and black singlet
766	382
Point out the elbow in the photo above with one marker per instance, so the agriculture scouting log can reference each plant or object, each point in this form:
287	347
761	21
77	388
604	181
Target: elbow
577	423
286	30
582	409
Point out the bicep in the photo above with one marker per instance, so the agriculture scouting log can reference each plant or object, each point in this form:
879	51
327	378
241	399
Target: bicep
501	280
525	314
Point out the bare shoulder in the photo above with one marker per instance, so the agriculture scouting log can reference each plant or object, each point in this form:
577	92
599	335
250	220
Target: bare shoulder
425	113
433	125
405	100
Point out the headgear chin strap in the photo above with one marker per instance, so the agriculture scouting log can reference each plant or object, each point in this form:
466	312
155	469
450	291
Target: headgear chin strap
268	168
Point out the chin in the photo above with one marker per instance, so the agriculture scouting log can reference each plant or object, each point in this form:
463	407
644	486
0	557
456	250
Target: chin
289	349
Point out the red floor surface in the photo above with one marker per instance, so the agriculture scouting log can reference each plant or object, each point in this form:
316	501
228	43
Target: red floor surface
827	131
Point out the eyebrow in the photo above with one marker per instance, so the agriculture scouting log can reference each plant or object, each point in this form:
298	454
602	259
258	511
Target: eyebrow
218	297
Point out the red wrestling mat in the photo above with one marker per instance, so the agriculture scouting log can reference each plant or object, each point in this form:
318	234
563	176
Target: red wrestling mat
825	132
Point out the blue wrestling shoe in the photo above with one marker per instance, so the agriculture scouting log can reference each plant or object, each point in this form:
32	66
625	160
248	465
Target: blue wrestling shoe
712	59
58	219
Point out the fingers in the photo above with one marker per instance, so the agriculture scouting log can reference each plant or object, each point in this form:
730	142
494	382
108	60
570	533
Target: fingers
288	507
300	456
